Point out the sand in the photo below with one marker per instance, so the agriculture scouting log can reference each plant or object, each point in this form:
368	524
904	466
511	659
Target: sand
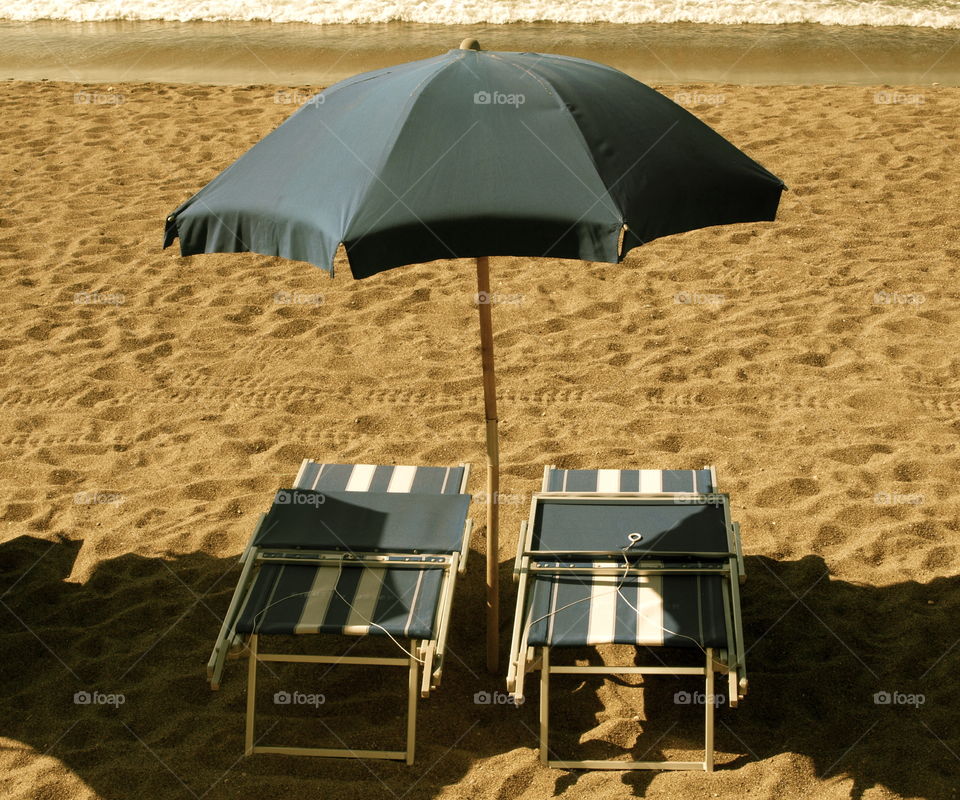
151	405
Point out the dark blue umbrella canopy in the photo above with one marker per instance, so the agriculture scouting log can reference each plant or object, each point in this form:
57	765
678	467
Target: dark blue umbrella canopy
476	153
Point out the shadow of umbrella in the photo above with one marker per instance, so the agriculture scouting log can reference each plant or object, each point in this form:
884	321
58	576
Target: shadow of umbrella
138	627
473	154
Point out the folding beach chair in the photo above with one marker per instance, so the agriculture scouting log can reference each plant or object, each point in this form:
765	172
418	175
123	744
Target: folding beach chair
642	557
356	550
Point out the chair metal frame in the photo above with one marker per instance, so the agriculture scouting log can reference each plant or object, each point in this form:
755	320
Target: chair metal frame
425	655
731	660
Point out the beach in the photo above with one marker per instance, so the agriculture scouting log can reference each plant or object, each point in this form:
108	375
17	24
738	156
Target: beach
152	404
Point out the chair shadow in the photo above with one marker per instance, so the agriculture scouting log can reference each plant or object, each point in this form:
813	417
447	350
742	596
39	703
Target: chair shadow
855	678
820	649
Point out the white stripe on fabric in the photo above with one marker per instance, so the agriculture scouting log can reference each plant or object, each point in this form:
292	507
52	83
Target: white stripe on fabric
608	480
402	479
649	610
554	588
651	480
602	625
318	600
360	478
316	480
446	477
364	602
413	603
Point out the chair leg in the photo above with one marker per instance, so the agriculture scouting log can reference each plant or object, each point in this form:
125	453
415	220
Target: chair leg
709	706
412	686
544	704
251	693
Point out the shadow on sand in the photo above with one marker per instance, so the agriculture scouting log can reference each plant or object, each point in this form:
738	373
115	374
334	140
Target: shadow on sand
135	637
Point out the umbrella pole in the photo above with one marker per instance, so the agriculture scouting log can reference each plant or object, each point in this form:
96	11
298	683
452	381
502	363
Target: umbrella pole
493	462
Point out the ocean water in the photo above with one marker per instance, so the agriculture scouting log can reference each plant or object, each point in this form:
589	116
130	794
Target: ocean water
318	42
913	13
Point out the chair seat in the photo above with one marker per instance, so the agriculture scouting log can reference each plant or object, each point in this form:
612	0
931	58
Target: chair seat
354	600
575	609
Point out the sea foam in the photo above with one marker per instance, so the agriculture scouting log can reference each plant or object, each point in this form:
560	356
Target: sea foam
915	13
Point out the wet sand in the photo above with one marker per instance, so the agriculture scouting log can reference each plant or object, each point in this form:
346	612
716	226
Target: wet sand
263	52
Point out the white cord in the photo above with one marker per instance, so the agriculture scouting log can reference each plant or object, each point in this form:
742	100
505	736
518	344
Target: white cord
371	623
620	593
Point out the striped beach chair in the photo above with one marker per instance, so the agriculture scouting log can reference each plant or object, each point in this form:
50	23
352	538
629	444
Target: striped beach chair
355	550
642	557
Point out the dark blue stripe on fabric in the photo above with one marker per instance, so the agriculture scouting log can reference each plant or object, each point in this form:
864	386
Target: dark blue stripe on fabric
277	599
381	479
399	593
681	610
425	612
308	475
454	481
396	594
625	629
704	622
572	618
714	619
678	480
630	480
555	480
334	477
540	593
705	482
339	610
428	480
581	480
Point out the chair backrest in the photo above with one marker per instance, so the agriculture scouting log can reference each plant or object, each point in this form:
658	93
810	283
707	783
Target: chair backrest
373	478
629	480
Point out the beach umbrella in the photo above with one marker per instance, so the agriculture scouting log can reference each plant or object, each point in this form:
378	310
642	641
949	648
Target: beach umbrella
473	154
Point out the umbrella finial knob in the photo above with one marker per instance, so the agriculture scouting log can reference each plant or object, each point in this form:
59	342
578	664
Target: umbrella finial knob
469	44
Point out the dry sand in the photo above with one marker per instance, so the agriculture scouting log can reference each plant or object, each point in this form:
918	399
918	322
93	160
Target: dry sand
182	387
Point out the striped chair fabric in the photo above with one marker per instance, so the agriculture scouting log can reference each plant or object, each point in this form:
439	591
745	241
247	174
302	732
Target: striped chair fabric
630	480
674	610
372	478
569	610
353	599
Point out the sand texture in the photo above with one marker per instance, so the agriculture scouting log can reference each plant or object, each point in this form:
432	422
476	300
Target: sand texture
150	405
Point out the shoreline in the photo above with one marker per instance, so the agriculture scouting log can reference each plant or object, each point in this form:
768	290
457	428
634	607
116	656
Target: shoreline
253	53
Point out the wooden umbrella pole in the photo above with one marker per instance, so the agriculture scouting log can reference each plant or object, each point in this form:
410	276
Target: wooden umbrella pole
493	462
